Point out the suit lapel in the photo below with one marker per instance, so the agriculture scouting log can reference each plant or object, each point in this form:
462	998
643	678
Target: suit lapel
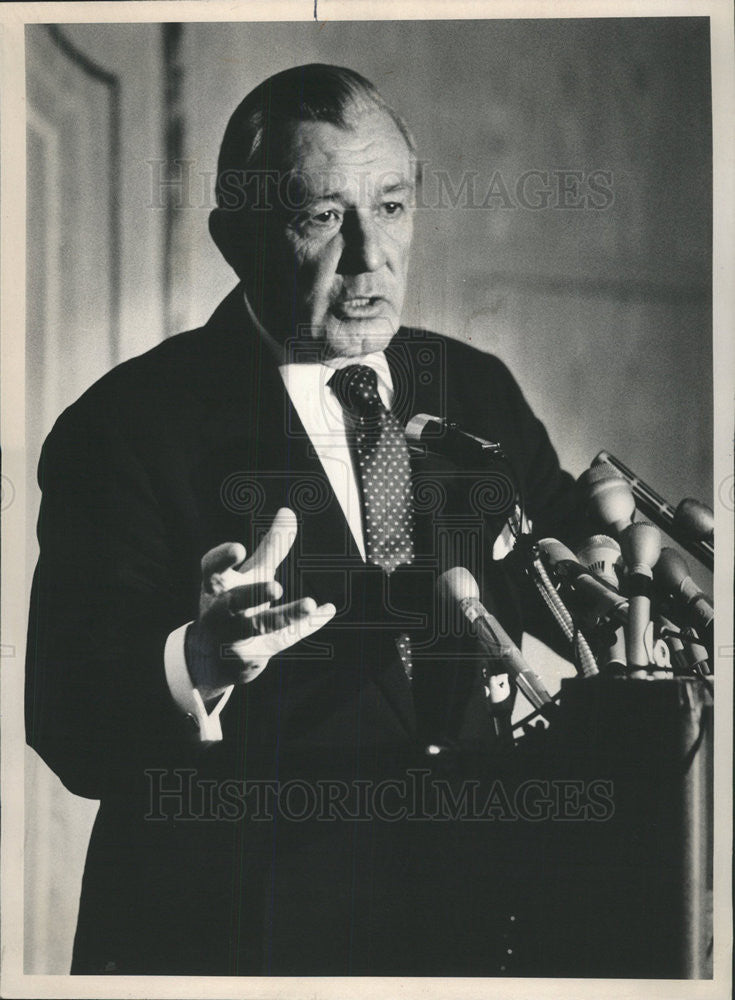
259	454
257	458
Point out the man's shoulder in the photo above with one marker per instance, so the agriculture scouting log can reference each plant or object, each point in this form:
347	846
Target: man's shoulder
460	359
161	366
185	369
146	382
469	386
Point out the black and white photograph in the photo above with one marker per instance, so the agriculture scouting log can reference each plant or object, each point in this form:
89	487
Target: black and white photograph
367	493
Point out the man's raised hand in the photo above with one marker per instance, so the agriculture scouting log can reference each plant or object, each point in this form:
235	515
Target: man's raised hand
237	631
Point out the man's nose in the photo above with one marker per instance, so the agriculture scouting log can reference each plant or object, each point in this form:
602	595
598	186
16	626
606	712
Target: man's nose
363	245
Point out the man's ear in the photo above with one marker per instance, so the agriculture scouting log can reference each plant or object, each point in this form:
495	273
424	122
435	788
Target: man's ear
228	229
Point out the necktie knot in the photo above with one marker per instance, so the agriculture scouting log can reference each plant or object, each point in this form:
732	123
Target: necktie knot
356	388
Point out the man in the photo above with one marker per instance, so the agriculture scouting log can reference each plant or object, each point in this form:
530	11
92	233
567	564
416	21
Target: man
237	581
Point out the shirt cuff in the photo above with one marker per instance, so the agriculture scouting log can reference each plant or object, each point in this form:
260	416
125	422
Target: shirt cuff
186	696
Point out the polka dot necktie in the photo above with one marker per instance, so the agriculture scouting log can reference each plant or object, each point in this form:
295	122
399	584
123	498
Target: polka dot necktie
381	454
379	446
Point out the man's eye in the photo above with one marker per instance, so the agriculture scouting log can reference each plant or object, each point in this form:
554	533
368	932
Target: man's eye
325	218
392	208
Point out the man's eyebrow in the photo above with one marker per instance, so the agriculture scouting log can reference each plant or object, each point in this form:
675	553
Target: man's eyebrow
402	185
327	196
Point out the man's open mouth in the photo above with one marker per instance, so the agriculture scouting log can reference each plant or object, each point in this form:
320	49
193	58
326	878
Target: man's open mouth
359	306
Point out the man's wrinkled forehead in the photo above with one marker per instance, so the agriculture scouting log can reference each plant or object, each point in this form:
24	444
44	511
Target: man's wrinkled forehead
368	153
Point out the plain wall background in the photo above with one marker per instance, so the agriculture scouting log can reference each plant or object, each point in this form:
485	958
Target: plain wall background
604	315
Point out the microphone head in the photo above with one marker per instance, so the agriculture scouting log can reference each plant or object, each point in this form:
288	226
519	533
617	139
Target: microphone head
695	520
609	498
555	552
641	546
671	570
597	473
457	584
417	425
602	555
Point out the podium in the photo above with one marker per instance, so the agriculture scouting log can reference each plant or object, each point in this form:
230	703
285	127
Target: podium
629	895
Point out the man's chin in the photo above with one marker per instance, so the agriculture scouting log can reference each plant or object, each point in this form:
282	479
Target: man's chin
353	338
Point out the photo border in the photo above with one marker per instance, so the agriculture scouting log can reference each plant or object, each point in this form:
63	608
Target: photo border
13	17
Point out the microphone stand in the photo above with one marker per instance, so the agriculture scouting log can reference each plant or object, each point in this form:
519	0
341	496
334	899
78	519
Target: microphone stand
660	511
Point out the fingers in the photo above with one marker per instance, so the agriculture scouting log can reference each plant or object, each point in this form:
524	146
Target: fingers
225	567
298	629
274	547
271	619
245	614
259	649
221	559
252	597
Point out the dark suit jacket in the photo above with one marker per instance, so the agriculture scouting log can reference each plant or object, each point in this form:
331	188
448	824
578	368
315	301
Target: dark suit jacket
170	454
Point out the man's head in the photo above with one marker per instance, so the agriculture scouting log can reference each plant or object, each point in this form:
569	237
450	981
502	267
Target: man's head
315	191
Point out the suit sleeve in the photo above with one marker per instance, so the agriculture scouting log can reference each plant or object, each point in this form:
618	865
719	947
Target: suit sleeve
103	602
548	491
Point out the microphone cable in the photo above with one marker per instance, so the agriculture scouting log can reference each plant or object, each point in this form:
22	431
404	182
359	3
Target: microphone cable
584	659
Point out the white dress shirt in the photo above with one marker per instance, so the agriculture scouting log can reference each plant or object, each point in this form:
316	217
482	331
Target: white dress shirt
322	415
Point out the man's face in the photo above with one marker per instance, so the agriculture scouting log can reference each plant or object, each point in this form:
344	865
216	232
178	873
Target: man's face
337	251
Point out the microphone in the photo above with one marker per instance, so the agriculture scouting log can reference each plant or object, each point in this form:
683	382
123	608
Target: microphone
613	657
602	600
443	437
641	547
695	520
601	554
672	576
610	500
686	657
584	659
438	436
459	588
691	524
